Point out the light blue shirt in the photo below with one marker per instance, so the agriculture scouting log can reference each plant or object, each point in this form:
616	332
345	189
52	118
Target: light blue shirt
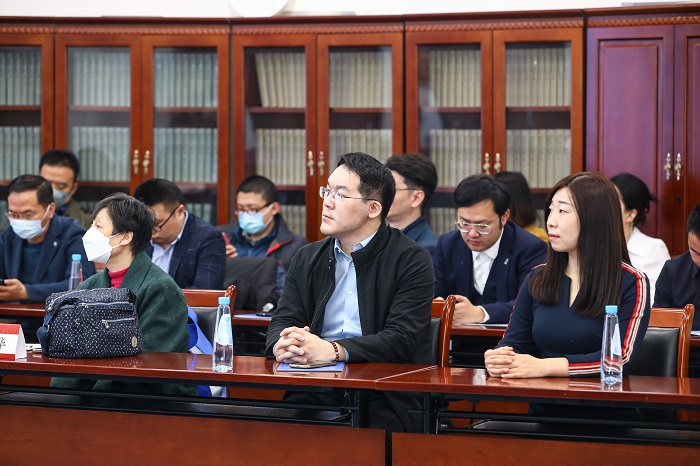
342	316
162	257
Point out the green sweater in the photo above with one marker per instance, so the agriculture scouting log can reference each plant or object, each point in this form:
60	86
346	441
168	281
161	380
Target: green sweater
162	320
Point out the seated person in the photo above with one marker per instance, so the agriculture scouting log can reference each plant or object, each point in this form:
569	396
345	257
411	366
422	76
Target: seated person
416	180
557	323
120	232
679	280
522	210
647	254
61	168
261	230
363	294
191	250
36	249
485	261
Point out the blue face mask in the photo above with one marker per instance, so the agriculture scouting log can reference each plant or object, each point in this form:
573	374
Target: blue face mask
60	197
28	229
252	223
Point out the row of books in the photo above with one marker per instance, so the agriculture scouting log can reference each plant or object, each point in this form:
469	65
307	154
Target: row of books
375	142
281	79
295	217
538	76
186	79
20	147
280	155
100	78
454	78
186	154
20	77
103	152
456	154
543	156
360	79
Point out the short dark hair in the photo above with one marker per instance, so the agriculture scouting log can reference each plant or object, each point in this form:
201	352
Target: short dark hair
128	215
693	224
376	181
476	188
601	235
24	183
635	195
259	185
418	171
61	158
159	191
522	210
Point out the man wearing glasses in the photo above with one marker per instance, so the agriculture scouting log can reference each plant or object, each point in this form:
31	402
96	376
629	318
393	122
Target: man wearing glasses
186	247
36	249
484	262
261	230
363	294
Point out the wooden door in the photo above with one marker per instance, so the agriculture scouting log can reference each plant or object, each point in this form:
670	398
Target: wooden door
686	146
98	110
274	120
629	120
185	116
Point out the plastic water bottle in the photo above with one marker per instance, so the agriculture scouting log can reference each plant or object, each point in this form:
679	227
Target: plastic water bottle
222	356
76	272
611	354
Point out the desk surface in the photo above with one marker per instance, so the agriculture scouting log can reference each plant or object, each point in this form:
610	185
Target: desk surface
196	368
452	380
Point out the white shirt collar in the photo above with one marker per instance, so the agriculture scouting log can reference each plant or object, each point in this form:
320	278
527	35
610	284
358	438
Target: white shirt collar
491	252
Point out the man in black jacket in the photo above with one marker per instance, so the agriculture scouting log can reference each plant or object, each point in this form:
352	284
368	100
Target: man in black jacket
361	295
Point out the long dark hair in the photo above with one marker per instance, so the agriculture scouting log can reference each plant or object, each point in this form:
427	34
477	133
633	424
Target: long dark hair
601	247
522	210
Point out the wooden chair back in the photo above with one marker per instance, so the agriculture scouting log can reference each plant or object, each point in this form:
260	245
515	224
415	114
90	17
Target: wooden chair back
208	298
443	310
682	319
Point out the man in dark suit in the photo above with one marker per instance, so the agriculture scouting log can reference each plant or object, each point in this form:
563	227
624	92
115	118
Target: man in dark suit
485	261
36	249
679	280
191	250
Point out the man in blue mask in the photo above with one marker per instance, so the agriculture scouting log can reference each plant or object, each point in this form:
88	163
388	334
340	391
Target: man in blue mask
261	230
36	249
61	168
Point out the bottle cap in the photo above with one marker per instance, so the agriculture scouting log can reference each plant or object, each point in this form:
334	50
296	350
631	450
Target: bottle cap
611	309
76	257
224	300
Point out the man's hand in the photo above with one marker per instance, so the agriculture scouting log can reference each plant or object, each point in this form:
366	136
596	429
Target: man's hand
231	250
13	290
299	345
466	312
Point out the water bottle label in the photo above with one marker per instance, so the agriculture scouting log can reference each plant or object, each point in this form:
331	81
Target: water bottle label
616	348
224	333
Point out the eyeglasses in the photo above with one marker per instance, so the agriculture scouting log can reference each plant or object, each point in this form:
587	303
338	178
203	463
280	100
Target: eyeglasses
251	210
337	197
160	227
465	227
22	216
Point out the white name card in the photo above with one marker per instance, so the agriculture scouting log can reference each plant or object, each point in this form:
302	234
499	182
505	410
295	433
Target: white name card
12	342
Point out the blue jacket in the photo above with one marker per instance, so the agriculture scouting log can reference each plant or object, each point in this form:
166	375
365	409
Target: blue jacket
518	253
199	258
420	232
678	285
63	239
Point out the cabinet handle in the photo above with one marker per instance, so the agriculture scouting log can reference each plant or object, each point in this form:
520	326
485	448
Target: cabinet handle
497	165
678	167
135	162
310	163
321	163
667	167
487	165
146	161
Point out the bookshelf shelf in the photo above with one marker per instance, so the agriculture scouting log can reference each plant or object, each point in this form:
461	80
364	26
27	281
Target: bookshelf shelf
276	110
539	109
186	110
20	108
358	110
452	110
95	109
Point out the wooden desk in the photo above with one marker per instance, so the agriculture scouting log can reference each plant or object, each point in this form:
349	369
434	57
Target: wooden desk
22	310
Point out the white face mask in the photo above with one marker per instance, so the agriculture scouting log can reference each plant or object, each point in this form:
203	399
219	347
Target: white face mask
28	229
97	247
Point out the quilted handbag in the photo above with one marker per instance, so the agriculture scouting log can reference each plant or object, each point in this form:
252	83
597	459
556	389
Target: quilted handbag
97	323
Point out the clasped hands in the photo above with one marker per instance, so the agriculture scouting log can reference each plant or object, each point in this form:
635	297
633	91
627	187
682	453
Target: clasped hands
299	345
504	362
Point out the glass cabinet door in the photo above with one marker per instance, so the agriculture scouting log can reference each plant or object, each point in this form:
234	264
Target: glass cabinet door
274	121
182	122
449	112
25	110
